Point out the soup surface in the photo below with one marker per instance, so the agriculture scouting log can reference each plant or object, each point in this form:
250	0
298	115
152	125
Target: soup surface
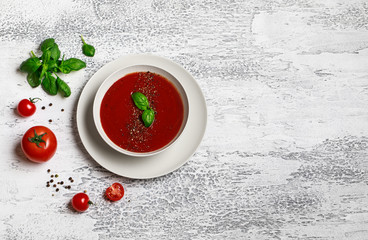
122	120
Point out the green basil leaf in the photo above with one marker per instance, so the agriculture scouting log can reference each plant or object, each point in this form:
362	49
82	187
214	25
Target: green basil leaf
72	64
47	44
65	69
140	100
34	78
52	66
87	49
43	71
148	116
63	87
49	84
30	65
55	52
46	56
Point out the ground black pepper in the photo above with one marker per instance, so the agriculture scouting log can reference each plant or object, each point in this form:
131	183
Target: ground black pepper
50	104
48	170
52	180
54	185
62	109
50	120
57	189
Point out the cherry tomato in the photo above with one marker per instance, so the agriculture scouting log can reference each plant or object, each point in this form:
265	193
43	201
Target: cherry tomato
39	144
115	192
26	107
81	202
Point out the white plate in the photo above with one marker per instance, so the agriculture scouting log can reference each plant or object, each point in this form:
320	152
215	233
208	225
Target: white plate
152	166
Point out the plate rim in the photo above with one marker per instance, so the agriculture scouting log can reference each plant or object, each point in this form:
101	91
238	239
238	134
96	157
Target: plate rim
146	57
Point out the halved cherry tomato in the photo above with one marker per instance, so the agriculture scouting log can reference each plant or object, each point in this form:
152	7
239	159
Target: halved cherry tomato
39	144
81	202
115	192
26	107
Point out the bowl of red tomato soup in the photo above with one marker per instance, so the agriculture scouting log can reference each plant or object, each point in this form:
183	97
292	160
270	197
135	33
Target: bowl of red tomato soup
140	110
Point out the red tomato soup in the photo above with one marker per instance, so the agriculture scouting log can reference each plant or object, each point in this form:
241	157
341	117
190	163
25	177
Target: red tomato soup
122	120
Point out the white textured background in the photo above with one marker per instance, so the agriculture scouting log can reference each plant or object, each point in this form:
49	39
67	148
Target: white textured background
285	152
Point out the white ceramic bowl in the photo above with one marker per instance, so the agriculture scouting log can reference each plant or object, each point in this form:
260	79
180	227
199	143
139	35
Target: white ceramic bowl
118	75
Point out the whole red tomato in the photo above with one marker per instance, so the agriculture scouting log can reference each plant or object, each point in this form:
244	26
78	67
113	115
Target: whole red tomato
39	144
115	192
81	202
26	107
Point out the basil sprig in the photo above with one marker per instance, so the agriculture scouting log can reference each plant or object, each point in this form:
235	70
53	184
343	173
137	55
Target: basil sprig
87	49
141	101
41	69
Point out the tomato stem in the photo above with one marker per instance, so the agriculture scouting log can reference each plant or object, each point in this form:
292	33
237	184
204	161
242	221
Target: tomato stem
89	202
37	139
36	99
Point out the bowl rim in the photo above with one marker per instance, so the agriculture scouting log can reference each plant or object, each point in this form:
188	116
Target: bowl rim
116	76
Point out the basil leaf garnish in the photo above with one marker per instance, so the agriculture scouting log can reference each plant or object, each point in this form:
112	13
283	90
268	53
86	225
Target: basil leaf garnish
140	101
148	116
